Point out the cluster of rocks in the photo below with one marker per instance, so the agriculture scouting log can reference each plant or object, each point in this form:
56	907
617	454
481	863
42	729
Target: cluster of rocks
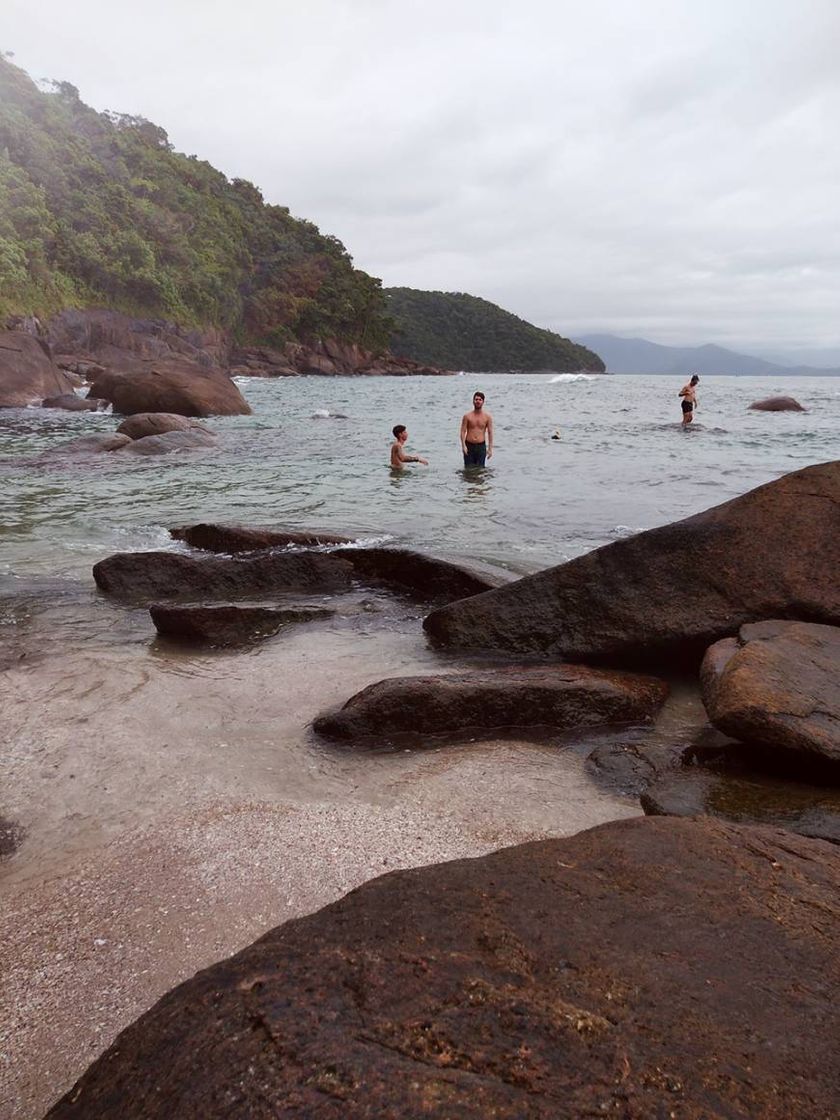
150	365
656	966
146	433
328	358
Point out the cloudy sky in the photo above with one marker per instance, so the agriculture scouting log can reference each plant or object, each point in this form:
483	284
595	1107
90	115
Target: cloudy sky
660	168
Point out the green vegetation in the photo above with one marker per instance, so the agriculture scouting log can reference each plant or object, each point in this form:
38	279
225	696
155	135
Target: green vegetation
458	331
96	209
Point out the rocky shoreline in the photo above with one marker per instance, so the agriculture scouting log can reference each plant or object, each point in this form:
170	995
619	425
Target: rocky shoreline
661	1014
130	362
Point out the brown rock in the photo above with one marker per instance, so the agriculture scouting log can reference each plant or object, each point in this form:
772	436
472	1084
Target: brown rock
180	387
155	423
168	575
103	441
770	553
71	403
228	625
731	788
112	339
239	538
422	577
777	404
27	372
167	442
649	968
777	684
482	703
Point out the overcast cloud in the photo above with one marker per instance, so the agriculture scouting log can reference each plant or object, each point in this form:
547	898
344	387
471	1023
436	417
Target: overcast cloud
648	167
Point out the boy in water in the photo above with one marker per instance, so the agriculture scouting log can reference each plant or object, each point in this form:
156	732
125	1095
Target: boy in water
689	399
477	434
398	456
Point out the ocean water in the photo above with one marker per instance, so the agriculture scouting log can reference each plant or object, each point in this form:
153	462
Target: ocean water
622	463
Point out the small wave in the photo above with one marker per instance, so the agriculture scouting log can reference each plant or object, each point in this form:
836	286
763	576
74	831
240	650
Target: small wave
561	377
325	414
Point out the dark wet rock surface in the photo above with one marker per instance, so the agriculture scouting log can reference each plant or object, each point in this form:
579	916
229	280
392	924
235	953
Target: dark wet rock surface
423	577
778	685
229	624
771	553
729	783
483	702
652	967
138	576
241	538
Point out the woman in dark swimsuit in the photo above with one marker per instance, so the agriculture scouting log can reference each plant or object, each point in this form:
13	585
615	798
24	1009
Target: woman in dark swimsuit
689	399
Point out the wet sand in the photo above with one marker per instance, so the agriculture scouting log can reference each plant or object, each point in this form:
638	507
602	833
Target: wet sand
176	807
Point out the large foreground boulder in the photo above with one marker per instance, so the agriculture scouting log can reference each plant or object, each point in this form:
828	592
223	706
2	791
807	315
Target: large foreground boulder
170	386
778	685
145	576
661	597
240	538
482	703
650	968
228	625
27	372
777	404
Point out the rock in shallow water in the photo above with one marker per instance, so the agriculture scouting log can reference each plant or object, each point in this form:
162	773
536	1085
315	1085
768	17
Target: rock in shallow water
771	553
147	576
777	404
729	783
182	387
241	538
777	685
167	442
647	968
562	697
156	423
228	625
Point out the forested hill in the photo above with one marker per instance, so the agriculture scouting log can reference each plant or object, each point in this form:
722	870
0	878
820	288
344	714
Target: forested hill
97	209
459	331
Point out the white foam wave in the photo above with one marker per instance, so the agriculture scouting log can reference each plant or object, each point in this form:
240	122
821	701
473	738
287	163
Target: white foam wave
572	377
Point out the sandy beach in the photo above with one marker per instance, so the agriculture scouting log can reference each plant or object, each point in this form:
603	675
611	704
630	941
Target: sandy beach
177	806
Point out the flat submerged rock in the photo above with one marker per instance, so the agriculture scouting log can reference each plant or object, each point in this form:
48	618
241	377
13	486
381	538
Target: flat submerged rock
228	624
649	968
563	697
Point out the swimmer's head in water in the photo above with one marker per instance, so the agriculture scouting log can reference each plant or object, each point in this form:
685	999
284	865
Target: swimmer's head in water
694	378
478	401
400	432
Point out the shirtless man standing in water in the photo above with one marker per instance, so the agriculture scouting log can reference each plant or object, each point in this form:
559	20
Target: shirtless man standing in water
477	434
689	399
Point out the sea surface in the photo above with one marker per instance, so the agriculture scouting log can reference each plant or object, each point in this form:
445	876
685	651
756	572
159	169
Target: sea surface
622	463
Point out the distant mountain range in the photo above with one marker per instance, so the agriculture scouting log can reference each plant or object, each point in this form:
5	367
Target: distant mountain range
637	355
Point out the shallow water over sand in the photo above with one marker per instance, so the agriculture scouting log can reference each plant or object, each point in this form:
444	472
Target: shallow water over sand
175	804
